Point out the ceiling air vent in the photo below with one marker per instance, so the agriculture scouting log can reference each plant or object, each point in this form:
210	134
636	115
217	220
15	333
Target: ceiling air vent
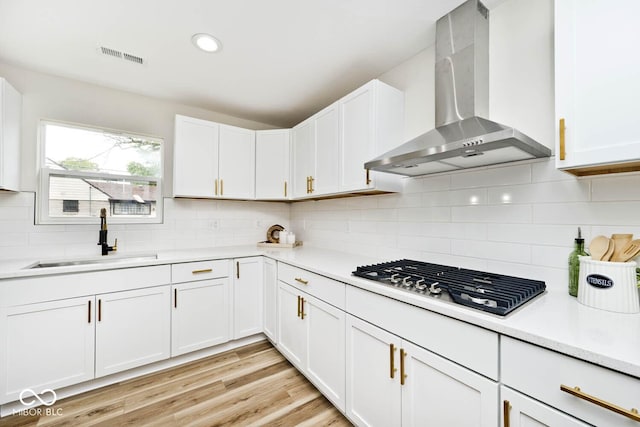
121	55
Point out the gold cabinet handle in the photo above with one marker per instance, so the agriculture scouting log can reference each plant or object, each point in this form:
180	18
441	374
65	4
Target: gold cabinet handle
302	308
301	280
89	311
403	376
392	367
368	179
506	408
298	305
175	298
237	269
216	187
308	191
575	391
311	179
206	270
222	187
99	310
563	128
285	189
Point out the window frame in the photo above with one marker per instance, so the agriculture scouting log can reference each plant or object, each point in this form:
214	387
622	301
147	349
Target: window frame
44	173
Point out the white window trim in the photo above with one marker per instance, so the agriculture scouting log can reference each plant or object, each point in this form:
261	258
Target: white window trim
42	197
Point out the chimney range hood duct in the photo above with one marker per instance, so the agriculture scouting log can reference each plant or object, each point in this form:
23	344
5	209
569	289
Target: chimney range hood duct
462	137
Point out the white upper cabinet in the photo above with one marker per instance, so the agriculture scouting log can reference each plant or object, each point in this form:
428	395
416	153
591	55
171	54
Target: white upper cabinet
195	157
372	121
213	160
597	86
273	177
303	141
10	122
326	177
236	163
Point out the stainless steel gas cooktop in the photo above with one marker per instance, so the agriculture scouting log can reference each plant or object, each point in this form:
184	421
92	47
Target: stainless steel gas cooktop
493	293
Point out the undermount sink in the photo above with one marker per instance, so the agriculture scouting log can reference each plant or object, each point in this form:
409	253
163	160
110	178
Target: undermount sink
104	260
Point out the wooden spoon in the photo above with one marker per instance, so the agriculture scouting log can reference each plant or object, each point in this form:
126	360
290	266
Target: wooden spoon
630	250
607	256
598	247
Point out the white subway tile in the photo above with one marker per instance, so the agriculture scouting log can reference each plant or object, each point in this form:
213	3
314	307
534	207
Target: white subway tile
545	170
435	214
13	213
425	244
594	213
550	256
510	252
492	213
471	197
436	183
544	192
506	175
535	234
616	188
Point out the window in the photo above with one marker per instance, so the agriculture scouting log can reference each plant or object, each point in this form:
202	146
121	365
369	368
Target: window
70	206
83	170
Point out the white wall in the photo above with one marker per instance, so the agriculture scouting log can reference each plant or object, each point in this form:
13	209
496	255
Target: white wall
516	219
50	97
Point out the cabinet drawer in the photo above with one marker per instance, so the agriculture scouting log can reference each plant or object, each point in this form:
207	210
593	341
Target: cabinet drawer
539	373
468	345
199	270
320	287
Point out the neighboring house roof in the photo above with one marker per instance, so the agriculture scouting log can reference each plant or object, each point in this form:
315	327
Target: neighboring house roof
125	191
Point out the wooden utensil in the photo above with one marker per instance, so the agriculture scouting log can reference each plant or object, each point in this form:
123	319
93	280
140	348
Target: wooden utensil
607	256
629	251
620	240
598	247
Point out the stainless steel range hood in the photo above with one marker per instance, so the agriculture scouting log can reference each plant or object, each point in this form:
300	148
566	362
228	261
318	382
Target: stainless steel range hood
462	137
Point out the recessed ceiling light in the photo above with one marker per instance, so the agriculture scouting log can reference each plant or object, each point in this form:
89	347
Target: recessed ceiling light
206	42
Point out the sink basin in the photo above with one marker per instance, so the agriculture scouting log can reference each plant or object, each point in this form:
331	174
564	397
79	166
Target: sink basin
104	260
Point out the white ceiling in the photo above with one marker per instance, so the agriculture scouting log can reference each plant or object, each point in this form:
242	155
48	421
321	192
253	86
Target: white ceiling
282	60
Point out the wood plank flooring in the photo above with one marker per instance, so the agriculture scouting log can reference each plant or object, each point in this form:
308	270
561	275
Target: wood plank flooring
249	386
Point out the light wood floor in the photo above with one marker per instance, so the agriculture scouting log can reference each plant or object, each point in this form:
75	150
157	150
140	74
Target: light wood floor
250	386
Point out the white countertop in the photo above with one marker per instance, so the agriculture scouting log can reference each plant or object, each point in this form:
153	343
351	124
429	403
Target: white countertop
554	320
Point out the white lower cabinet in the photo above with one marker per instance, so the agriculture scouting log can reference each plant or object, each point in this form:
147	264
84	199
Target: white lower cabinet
311	334
48	345
132	329
270	306
200	316
392	382
247	297
519	410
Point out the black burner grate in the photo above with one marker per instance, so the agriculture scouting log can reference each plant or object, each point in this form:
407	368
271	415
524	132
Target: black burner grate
494	293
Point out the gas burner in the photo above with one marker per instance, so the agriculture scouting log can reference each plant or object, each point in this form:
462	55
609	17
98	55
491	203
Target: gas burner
489	292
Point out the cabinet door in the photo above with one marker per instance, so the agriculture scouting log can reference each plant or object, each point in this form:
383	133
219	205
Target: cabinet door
303	141
132	329
48	346
10	122
325	364
326	176
270	307
200	316
247	297
273	164
237	156
442	393
195	157
357	125
522	411
373	384
292	334
596	97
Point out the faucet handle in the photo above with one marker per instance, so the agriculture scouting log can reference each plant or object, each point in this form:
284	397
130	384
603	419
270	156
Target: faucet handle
115	246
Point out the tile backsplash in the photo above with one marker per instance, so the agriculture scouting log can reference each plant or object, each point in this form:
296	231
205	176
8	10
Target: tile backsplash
518	219
187	224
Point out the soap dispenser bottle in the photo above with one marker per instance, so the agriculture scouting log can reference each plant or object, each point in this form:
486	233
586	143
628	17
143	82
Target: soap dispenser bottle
574	264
